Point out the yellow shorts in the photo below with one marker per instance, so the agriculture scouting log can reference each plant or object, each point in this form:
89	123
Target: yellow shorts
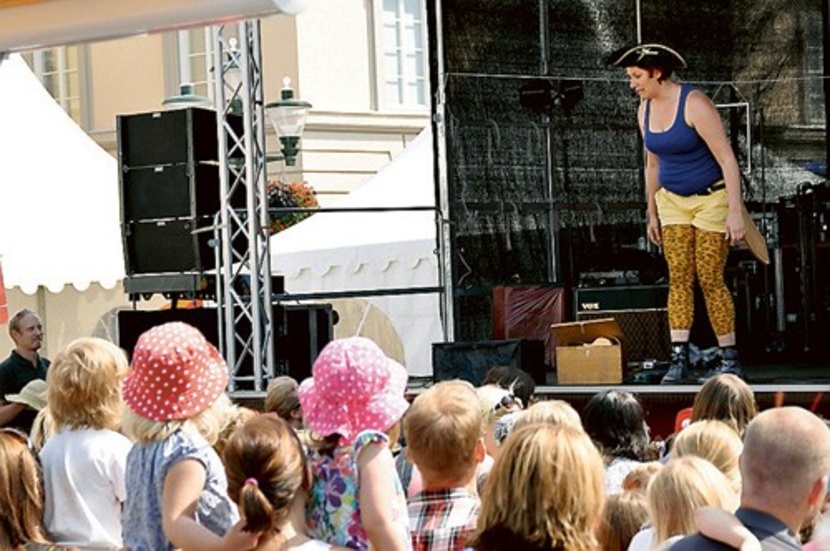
706	212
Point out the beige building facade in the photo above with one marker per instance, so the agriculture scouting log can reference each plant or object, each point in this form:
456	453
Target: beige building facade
361	63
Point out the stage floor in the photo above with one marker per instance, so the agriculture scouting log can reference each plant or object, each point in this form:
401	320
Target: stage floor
801	374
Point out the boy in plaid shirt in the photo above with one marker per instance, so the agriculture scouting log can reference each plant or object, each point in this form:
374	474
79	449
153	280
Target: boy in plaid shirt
444	438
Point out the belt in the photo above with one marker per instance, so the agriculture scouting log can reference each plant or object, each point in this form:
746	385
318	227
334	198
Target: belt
717	186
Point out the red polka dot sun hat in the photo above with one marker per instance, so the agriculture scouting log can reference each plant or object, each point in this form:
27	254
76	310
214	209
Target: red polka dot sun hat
353	387
175	373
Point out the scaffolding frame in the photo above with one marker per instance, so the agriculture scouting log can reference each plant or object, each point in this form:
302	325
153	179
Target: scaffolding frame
243	286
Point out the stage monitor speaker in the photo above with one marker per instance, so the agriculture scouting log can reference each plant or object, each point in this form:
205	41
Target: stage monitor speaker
179	136
132	323
302	332
640	312
471	361
170	191
168	246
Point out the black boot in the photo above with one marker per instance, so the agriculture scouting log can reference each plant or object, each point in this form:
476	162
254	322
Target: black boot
728	364
679	367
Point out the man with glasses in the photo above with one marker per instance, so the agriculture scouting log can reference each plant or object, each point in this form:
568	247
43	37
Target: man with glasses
22	366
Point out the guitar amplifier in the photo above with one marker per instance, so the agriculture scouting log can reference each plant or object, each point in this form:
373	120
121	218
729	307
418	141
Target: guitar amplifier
640	311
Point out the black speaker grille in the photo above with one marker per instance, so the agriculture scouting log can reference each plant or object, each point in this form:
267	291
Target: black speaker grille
645	332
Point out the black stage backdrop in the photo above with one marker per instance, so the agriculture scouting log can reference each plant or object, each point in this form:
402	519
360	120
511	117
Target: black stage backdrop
542	165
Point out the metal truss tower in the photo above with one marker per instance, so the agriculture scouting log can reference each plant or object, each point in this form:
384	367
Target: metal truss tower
246	324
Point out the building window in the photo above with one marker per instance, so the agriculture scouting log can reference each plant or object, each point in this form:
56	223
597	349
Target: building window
63	73
402	54
195	58
814	72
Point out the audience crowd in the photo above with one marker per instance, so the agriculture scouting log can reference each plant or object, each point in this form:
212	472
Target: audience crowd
98	452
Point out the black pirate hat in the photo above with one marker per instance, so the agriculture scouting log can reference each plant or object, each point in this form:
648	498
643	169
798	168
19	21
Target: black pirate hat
647	55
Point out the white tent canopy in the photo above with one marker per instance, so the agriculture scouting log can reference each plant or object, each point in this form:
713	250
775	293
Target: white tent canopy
346	251
59	206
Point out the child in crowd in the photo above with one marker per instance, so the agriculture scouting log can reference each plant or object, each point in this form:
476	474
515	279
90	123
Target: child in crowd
444	437
717	443
615	421
495	402
21	499
281	398
680	487
84	460
176	485
623	516
354	395
728	398
555	412
544	492
269	479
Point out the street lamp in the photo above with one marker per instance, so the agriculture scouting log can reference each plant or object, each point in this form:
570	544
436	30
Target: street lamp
288	117
187	98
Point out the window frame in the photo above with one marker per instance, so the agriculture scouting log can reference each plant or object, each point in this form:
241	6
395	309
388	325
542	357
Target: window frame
380	50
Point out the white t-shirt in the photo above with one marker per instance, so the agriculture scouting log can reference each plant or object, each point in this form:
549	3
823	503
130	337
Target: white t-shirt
644	541
313	545
83	479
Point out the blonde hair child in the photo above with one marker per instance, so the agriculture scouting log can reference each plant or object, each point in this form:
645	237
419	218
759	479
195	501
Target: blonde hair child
85	458
176	485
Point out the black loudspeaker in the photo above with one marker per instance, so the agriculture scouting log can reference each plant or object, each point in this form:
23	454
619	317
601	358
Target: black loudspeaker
640	312
180	136
170	194
170	191
471	361
168	246
132	323
302	332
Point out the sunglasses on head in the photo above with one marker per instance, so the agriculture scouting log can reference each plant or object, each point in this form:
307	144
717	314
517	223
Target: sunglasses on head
18	435
508	402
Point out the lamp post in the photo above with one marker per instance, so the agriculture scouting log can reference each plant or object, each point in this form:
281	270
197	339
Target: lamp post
288	116
187	98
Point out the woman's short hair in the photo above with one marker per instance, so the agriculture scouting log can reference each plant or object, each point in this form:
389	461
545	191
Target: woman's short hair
555	412
615	420
714	441
266	467
545	491
21	497
726	397
85	381
680	487
281	396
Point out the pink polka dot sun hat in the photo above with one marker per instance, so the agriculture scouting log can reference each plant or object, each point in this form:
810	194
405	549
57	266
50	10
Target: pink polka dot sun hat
353	387
175	373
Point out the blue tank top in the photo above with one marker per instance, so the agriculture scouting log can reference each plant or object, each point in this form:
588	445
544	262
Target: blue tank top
686	164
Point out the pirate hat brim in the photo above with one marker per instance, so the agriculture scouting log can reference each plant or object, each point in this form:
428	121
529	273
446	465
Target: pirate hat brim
647	55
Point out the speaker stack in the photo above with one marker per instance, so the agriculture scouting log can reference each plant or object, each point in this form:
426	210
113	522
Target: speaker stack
170	194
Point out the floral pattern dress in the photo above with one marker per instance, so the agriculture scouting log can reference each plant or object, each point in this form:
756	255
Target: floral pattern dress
333	509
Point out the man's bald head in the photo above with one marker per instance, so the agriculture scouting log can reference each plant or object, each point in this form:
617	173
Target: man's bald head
786	450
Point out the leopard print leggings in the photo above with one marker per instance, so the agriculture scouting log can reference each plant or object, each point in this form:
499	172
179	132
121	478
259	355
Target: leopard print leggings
690	251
